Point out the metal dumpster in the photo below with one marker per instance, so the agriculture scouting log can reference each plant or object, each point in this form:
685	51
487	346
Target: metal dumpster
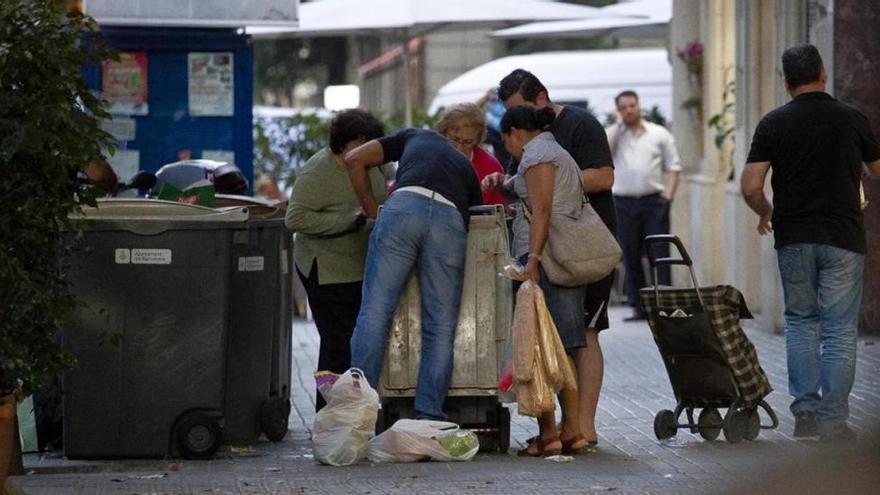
480	338
151	339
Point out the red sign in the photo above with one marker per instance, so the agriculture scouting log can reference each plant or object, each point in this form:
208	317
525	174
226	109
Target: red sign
124	84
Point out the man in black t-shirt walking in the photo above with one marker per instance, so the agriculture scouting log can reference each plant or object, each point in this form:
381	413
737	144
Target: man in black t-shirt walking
816	147
583	137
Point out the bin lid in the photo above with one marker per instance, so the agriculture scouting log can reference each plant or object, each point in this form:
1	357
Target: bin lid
155	215
258	208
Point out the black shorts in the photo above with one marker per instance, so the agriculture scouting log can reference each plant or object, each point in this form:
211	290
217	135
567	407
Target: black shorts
596	303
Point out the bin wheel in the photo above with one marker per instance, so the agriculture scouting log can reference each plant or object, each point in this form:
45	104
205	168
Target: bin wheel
503	429
274	416
709	423
735	424
753	424
665	424
497	439
198	435
488	432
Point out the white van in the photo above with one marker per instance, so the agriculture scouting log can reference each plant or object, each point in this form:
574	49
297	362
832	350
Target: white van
582	78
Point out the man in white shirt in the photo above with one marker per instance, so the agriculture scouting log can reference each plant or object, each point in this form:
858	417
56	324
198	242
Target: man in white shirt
645	178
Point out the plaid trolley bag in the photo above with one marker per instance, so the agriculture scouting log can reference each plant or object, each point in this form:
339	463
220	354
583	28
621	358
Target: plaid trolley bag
710	361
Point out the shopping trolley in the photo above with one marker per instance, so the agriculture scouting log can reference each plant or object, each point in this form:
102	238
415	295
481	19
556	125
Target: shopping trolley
710	361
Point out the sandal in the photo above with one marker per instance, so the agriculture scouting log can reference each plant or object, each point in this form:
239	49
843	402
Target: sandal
593	443
541	448
568	447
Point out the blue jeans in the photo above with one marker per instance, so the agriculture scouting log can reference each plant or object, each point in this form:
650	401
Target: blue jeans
823	294
413	231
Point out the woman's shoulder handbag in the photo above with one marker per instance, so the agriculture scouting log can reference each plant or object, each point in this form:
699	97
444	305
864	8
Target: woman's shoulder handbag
579	250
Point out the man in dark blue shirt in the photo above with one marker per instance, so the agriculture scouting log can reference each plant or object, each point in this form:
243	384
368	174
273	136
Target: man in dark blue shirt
423	225
816	147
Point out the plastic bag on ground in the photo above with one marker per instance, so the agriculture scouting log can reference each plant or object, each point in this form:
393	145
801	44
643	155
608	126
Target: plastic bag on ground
324	381
345	425
414	440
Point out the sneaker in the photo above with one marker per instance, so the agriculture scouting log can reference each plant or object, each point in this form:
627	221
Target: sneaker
842	435
805	425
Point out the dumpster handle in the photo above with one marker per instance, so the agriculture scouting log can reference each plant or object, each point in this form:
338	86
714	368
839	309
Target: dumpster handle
683	259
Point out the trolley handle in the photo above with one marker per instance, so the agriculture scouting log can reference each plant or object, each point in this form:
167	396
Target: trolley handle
682	259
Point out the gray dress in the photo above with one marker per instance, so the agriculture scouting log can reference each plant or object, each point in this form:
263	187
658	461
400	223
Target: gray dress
566	304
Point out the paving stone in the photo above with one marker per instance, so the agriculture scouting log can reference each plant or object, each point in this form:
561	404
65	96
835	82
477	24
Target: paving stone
629	459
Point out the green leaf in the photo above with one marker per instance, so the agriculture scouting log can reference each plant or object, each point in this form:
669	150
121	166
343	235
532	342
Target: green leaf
48	132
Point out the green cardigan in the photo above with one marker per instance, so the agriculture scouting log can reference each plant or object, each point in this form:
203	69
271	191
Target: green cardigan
321	212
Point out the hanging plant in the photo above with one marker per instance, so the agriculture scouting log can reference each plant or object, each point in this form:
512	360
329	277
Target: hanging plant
692	56
694	103
722	122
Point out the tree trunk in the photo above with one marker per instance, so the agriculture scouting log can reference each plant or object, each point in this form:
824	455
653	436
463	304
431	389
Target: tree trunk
16	463
8	439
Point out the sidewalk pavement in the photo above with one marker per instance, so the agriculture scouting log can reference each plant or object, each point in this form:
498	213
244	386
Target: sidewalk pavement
629	459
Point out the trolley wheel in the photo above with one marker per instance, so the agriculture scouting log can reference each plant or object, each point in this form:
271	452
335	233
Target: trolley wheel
197	435
735	423
709	423
753	424
665	424
274	416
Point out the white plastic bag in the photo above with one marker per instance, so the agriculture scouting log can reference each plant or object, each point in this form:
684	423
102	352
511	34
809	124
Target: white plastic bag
413	440
348	421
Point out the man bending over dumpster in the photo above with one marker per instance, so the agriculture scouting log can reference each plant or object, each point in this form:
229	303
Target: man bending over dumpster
424	226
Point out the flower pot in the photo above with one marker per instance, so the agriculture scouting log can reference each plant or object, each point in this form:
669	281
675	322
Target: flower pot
8	439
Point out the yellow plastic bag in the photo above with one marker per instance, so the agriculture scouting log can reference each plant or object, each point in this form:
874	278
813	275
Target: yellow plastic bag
547	340
535	397
525	331
560	371
542	366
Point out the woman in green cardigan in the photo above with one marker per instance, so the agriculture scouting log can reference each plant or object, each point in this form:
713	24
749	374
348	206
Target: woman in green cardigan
331	239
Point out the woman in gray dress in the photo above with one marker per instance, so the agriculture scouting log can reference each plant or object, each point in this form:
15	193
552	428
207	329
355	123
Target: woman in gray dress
547	181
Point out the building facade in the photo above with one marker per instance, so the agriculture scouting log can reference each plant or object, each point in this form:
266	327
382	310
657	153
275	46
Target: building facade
739	81
376	64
